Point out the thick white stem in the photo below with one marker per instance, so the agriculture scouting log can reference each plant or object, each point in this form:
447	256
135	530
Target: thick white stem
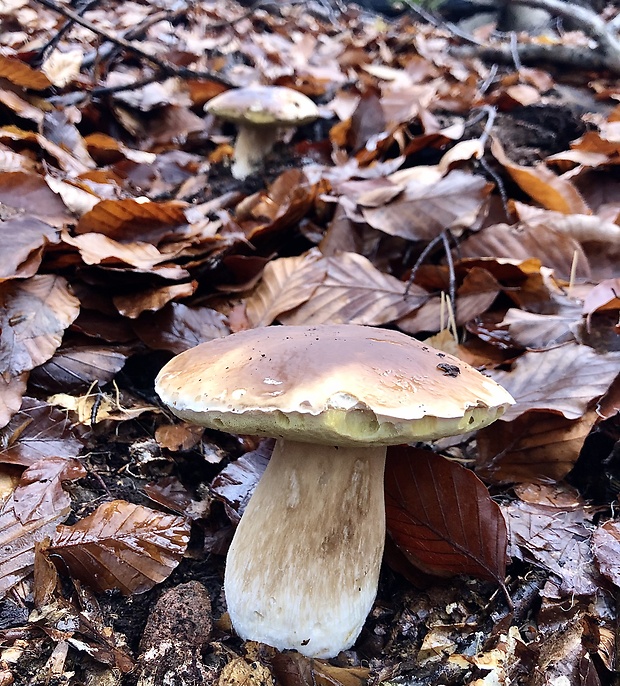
253	144
303	566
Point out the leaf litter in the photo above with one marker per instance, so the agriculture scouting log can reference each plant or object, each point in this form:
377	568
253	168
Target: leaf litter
464	203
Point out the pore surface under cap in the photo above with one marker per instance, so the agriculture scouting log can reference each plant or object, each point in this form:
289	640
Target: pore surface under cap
341	385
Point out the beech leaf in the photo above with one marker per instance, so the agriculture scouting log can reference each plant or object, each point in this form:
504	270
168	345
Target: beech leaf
285	284
442	516
123	546
356	292
563	380
33	319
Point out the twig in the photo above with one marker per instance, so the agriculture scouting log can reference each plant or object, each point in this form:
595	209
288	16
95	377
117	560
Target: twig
51	44
167	67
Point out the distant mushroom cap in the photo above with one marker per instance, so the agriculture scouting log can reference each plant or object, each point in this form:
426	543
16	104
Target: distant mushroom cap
343	385
263	106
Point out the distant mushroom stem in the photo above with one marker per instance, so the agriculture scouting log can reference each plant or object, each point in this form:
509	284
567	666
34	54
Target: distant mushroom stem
303	567
253	144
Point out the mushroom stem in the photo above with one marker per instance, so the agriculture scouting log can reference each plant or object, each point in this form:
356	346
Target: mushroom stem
303	567
253	144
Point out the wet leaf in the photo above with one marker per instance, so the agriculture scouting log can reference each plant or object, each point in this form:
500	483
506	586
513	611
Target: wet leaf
292	669
442	516
17	541
122	546
36	432
39	493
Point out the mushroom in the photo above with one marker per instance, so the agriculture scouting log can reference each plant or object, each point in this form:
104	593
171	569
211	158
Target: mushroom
303	567
260	112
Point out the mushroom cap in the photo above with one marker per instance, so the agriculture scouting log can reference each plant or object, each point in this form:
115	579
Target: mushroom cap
343	385
263	106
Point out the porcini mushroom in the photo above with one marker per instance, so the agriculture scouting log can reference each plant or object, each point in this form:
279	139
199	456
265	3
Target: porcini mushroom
259	113
303	567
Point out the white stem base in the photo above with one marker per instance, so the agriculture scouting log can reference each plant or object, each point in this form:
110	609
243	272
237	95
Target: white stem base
303	567
253	144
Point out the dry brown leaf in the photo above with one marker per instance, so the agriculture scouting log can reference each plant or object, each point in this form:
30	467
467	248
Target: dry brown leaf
442	516
563	380
122	546
76	367
178	327
95	248
11	394
22	240
356	292
604	296
134	220
423	210
606	547
537	446
559	539
29	193
33	319
541	331
552	247
39	493
20	74
540	183
293	669
63	67
286	283
133	305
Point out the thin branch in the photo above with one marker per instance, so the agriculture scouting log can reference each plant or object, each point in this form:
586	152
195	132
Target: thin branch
167	67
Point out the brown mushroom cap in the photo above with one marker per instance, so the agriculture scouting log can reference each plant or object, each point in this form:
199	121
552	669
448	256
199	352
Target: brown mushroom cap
263	106
343	385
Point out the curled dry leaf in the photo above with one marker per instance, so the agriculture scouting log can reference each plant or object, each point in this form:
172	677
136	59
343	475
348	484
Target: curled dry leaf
39	493
22	240
153	299
33	319
541	331
540	183
442	516
285	284
293	669
123	546
563	380
356	292
38	431
537	446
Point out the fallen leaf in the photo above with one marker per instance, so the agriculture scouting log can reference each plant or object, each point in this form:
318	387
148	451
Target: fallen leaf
606	547
39	493
285	284
356	292
563	380
442	516
35	314
122	546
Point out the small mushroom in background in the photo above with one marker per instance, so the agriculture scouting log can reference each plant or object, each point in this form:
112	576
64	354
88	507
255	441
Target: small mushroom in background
303	567
259	113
